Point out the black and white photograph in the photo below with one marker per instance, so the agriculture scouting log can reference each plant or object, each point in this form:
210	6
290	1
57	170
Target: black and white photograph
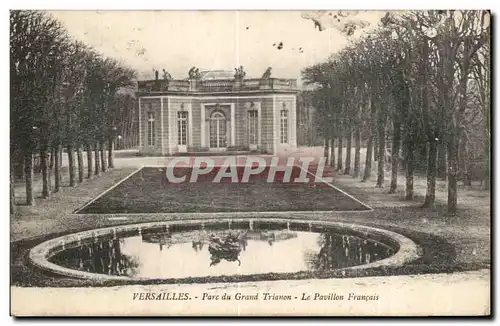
250	163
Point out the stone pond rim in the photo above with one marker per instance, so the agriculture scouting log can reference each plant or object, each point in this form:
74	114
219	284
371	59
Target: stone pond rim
406	250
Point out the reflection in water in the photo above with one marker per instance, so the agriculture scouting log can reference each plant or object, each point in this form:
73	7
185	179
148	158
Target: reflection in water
162	238
341	251
227	248
103	257
223	245
229	245
201	253
198	245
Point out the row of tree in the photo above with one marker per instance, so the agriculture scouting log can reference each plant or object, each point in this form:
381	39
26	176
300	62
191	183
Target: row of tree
416	90
307	133
64	97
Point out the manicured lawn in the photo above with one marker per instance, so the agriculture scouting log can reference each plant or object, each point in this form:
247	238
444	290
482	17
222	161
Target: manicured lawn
149	191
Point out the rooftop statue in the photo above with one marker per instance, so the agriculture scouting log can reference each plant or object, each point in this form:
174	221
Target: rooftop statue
239	73
267	73
194	73
166	75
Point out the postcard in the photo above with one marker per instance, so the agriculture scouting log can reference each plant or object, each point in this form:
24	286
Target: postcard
250	163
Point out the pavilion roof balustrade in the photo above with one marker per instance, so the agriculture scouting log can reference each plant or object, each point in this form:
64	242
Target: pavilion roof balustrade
220	85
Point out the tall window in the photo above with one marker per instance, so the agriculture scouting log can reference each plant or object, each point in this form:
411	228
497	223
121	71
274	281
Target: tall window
182	124
253	127
217	130
151	129
284	127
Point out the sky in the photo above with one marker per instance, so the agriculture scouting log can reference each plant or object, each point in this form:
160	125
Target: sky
210	40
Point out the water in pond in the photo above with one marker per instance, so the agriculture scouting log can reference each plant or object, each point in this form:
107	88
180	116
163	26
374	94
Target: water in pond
202	253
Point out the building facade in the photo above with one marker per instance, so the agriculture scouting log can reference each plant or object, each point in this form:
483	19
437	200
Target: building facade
217	114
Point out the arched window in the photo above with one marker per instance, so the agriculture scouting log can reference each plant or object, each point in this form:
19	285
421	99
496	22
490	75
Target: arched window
218	116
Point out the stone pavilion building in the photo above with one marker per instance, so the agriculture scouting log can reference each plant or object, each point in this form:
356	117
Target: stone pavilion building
217	112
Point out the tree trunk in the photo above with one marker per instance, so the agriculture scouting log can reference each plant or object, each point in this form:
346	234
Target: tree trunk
339	154
396	143
104	165
332	151
368	162
121	144
71	166
97	161
45	173
381	148
79	156
23	165
28	174
487	119
452	175
57	169
51	162
357	151
487	169
376	146
12	192
326	151
461	160
111	163
487	137
467	165
89	161
459	117
51	169
486	179
369	150
442	165
430	196
410	167
348	153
